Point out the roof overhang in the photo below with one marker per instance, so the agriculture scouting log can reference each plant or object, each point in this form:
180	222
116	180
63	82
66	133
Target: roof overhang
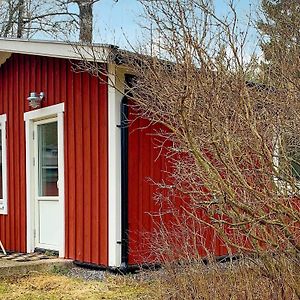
96	52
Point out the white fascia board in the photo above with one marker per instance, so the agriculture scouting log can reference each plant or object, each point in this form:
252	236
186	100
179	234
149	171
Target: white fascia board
98	53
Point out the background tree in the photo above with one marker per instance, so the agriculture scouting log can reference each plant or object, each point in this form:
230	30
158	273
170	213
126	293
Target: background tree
57	18
279	26
85	20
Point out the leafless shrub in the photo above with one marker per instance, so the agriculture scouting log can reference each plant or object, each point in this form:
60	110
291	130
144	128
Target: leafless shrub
233	148
229	130
235	139
241	279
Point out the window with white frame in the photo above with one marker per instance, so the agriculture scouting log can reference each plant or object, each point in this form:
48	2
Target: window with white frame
3	177
287	157
293	156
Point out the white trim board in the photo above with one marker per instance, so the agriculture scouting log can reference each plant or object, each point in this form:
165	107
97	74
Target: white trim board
114	171
31	117
4	200
45	112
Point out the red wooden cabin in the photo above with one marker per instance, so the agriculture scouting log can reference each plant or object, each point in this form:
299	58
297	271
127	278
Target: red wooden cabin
73	180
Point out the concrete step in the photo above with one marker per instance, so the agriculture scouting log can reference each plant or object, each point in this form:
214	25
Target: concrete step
11	268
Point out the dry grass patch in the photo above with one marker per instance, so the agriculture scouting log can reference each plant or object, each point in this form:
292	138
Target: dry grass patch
236	281
273	278
52	286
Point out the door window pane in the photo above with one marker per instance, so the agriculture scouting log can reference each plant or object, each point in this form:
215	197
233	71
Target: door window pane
48	159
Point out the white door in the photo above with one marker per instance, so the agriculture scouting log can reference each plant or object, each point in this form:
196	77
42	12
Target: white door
46	187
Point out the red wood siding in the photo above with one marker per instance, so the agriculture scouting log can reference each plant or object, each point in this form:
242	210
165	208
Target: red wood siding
86	147
148	164
144	162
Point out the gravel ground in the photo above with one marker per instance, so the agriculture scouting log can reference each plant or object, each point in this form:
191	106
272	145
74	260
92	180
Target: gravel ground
86	274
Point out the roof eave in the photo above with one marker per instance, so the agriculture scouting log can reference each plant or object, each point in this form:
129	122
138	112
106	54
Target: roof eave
97	52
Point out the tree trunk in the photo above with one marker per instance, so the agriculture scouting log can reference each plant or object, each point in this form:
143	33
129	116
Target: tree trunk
20	27
85	20
14	9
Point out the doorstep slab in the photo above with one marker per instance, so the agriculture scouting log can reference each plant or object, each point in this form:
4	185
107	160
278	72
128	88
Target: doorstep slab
24	257
10	268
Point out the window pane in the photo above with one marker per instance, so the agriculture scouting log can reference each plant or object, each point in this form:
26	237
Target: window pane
296	169
1	181
294	158
48	159
292	148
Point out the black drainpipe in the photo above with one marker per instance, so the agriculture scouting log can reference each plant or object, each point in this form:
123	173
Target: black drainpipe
124	182
124	175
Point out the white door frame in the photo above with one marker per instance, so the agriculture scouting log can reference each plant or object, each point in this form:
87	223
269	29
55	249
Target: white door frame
54	111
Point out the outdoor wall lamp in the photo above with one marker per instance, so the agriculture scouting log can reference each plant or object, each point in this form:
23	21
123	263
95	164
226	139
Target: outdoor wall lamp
35	99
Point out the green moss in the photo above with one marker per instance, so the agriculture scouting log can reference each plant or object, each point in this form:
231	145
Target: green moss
61	270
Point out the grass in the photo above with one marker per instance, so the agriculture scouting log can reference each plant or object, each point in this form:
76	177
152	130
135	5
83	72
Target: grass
241	280
237	281
56	286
